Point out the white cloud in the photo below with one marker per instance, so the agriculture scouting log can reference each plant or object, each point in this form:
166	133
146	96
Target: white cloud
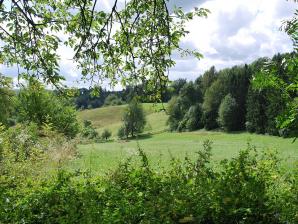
66	63
238	32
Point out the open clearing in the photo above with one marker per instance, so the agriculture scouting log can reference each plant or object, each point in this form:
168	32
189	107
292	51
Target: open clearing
161	146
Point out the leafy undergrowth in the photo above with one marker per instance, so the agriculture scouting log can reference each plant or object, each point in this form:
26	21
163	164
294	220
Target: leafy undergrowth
250	188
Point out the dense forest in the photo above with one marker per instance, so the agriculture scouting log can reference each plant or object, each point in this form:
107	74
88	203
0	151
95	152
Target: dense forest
228	99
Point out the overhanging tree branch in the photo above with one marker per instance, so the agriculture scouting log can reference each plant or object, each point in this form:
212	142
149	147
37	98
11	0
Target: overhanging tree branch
130	45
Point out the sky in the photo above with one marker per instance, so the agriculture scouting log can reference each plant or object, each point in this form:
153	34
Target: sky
236	32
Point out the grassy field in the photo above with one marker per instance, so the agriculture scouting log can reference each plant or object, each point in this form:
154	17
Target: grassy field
111	118
161	146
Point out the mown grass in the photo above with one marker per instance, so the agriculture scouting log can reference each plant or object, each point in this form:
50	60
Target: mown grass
160	148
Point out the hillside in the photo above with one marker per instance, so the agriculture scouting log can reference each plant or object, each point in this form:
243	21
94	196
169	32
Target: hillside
111	117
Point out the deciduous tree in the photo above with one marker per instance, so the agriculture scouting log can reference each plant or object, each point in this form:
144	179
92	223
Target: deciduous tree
134	119
131	43
41	106
273	74
227	113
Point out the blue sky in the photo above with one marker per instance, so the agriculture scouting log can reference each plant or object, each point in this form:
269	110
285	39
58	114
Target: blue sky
236	32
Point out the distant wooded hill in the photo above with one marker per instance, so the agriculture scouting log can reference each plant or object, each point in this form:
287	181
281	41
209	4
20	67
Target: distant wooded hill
217	99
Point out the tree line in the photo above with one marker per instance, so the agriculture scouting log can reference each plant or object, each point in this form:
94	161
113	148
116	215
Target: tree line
99	97
228	99
224	99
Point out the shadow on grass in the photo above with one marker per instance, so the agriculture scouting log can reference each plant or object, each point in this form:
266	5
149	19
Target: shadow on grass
105	141
234	132
141	137
147	135
218	130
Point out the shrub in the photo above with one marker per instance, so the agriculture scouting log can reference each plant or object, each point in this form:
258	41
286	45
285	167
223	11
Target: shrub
22	142
36	104
106	134
122	133
27	162
64	119
178	108
89	131
249	188
87	123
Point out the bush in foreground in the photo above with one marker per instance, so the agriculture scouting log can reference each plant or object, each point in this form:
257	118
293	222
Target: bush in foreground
250	188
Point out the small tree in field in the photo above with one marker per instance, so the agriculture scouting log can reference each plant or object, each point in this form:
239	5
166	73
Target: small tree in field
134	118
227	113
106	134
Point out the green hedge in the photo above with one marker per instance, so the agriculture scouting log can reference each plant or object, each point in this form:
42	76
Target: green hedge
250	188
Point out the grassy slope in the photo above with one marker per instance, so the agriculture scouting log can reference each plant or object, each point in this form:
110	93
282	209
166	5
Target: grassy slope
160	147
110	118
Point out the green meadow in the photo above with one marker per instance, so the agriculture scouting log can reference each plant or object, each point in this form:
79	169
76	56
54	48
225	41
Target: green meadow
162	146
